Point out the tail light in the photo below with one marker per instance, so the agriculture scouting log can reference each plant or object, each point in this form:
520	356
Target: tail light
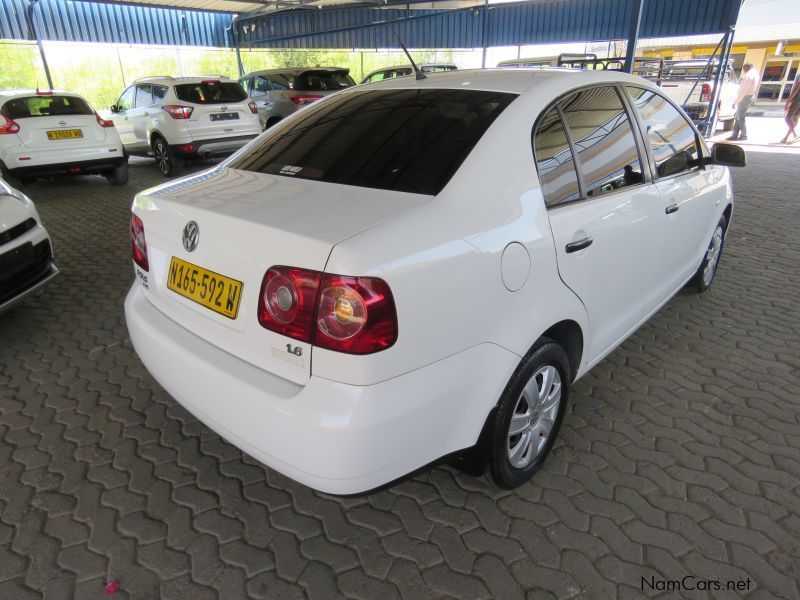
139	243
177	111
303	99
355	315
705	93
253	107
7	125
103	122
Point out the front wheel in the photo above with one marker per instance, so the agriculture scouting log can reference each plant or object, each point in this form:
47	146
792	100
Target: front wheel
708	268
529	415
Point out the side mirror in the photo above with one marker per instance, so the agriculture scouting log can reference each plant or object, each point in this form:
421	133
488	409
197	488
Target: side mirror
114	108
729	155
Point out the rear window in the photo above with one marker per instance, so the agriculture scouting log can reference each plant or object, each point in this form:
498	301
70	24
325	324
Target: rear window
216	92
402	140
315	81
45	106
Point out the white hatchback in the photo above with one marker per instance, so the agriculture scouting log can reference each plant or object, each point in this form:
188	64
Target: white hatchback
175	119
56	133
26	256
414	270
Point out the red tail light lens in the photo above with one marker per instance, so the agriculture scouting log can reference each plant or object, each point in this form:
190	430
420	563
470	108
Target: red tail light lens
287	301
355	315
139	243
253	107
103	122
303	99
178	112
7	125
705	93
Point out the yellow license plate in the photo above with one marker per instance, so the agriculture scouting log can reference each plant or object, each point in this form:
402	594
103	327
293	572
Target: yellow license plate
212	290
64	134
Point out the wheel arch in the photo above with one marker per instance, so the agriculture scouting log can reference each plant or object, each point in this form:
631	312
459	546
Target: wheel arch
727	213
569	335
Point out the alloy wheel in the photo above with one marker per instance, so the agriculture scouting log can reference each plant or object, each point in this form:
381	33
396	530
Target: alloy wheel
162	157
712	256
534	416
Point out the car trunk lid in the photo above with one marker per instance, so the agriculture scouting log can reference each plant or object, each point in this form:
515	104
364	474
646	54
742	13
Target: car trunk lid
248	222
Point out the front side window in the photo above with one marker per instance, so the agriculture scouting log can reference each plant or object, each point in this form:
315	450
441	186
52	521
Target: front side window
603	140
554	161
409	140
261	86
45	106
672	139
144	95
125	101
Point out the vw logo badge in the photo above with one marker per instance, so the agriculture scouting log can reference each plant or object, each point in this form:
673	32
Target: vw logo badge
191	235
62	123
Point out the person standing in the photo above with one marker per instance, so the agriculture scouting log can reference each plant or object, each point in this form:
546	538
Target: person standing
792	110
744	99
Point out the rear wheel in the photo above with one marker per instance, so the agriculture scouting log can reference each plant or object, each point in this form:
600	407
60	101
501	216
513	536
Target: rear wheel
529	414
708	268
166	161
118	175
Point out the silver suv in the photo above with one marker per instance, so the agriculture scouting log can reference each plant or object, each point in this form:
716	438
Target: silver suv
280	92
175	119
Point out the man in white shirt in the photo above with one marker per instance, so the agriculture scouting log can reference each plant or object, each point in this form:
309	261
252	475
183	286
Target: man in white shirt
747	93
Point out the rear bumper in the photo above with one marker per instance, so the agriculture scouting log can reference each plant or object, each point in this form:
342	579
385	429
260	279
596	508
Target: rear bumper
337	438
84	167
212	147
24	270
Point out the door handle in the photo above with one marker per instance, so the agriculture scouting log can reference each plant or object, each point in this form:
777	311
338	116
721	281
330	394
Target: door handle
579	245
672	208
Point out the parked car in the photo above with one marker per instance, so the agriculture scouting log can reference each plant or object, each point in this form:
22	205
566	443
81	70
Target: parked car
26	255
406	70
44	133
175	119
281	92
690	83
414	269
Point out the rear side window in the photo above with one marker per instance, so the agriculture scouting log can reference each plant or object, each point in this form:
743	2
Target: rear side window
402	140
554	161
314	81
603	140
210	92
671	137
144	95
45	106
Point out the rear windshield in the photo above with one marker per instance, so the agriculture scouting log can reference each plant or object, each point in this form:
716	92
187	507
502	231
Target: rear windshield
45	106
315	81
210	92
403	140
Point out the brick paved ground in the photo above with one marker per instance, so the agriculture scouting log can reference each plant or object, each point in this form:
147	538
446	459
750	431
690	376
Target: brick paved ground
680	455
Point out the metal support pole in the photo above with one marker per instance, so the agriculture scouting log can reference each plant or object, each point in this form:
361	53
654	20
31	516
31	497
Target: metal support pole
32	31
484	28
235	33
633	36
719	80
705	70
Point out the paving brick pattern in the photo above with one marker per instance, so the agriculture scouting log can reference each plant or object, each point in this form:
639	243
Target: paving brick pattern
680	454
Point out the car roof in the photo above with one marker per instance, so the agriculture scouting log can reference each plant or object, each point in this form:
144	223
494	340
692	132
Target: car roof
181	79
17	93
294	70
515	81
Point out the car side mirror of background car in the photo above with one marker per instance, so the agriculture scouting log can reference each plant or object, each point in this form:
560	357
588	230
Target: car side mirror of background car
114	108
729	155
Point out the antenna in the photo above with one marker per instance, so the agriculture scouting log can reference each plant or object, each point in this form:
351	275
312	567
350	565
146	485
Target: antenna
417	70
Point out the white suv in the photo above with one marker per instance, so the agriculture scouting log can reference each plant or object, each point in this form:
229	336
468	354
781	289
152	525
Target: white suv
56	133
175	119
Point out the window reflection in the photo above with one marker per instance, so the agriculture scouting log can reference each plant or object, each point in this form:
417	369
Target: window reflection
603	140
671	137
554	161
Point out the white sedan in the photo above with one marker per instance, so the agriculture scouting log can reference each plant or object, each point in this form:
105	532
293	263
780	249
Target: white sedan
26	256
416	269
56	133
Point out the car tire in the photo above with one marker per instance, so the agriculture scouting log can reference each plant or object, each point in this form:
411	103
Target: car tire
528	416
708	268
166	161
118	175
